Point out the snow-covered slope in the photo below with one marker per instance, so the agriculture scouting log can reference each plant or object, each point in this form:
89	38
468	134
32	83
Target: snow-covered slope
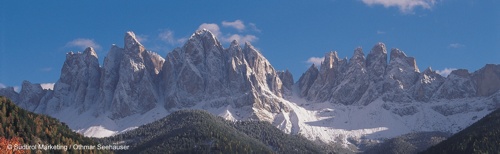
346	101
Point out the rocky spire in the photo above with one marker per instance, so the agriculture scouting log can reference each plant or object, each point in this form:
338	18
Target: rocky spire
331	60
307	79
287	79
398	56
132	44
358	58
376	61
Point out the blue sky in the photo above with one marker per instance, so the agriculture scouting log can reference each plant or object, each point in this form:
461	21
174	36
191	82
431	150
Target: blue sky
443	34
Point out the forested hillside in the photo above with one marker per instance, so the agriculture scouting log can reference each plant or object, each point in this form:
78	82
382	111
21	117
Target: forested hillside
197	131
21	127
408	143
481	137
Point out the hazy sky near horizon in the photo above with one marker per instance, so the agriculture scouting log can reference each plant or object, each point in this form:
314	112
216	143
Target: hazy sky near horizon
442	34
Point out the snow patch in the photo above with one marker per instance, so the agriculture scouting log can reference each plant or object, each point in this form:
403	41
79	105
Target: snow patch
47	86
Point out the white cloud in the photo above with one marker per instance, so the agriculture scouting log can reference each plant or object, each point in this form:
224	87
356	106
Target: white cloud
380	32
168	36
456	45
315	60
405	6
239	38
83	43
445	72
228	37
2	85
237	24
214	28
47	86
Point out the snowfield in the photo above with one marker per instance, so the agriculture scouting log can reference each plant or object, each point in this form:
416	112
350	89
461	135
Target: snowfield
328	122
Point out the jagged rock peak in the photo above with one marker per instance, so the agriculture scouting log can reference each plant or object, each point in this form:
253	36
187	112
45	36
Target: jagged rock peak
203	40
398	56
358	56
287	81
307	79
379	48
204	33
131	42
331	58
461	73
250	46
376	61
88	56
396	53
234	43
428	70
89	51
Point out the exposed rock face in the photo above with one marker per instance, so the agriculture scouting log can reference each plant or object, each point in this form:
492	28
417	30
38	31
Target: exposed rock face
307	79
287	81
458	84
487	80
376	62
135	90
329	76
10	93
361	81
133	80
79	82
202	70
31	95
128	83
401	74
427	84
125	85
355	80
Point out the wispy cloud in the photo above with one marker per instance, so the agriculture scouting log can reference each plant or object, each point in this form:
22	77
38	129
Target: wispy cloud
47	86
168	36
237	24
228	37
379	32
2	85
315	60
445	72
83	43
46	69
253	27
405	6
142	38
456	45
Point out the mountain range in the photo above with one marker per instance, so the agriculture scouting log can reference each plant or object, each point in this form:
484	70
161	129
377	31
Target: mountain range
349	101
